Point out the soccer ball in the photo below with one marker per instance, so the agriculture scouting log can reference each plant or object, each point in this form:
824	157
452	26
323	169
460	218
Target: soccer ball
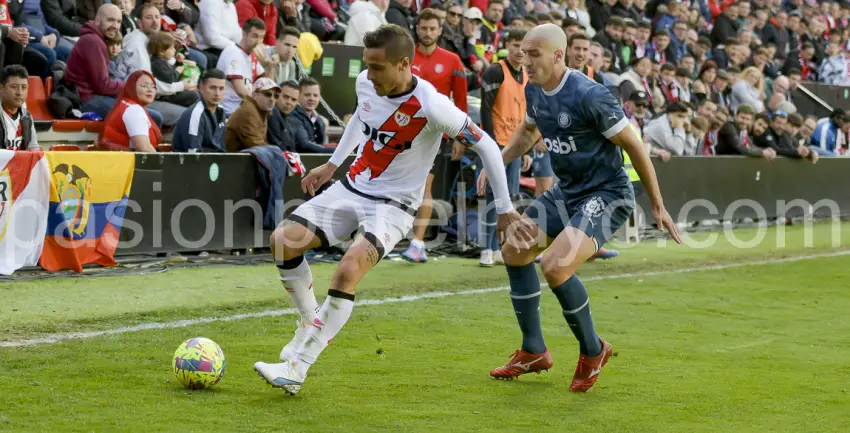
199	363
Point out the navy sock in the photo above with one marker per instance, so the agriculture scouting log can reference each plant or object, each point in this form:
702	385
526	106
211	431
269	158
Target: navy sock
525	297
576	305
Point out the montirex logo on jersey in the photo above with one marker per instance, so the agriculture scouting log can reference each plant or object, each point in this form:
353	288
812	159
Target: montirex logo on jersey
390	139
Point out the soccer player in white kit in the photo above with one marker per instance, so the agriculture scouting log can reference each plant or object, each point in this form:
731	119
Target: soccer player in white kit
397	128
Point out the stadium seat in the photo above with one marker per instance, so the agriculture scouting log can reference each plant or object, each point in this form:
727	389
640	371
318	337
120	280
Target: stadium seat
69	125
48	86
42	125
64	147
95	126
37	100
163	148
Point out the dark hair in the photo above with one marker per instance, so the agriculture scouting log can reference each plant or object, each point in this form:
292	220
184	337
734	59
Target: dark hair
731	41
212	74
530	18
644	25
159	43
569	22
307	82
704	41
746	109
10	71
515	35
668	67
253	23
607	53
762	116
440	7
395	40
288	31
428	14
577	37
793	71
292	84
676	107
544	17
556	16
683	72
660	33
145	6
616	22
761	50
795	119
808	45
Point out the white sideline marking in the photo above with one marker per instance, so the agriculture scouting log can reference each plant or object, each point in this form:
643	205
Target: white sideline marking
54	338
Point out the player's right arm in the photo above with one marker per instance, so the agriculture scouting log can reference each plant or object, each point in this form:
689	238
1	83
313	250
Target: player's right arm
521	142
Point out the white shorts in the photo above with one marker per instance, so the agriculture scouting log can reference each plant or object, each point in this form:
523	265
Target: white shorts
339	212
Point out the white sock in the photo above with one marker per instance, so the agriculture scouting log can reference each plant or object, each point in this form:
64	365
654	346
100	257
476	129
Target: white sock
331	318
419	244
298	281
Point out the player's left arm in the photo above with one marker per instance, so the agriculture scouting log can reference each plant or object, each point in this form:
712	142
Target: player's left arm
613	124
457	125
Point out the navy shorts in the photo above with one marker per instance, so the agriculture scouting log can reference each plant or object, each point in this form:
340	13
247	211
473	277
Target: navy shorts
541	165
599	213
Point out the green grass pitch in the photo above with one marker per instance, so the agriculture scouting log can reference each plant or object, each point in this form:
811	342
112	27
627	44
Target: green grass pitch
761	348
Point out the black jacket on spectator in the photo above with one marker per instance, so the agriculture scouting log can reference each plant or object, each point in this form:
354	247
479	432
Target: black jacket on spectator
62	15
128	24
401	16
599	13
729	142
719	56
166	73
724	28
199	130
631	12
782	143
280	133
308	135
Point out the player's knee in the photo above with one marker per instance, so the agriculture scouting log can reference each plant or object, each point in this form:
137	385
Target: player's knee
348	273
515	257
282	244
556	269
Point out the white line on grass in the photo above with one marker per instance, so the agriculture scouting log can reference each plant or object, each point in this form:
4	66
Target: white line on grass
54	338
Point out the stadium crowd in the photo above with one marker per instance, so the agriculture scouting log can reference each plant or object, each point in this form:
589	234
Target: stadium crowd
697	77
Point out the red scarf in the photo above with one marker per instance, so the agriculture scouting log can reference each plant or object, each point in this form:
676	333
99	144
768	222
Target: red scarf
5	18
745	138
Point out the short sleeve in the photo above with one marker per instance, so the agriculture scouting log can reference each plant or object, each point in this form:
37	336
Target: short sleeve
445	116
136	121
530	106
603	109
232	65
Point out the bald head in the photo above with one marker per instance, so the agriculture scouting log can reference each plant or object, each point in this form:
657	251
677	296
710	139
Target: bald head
549	36
108	20
781	84
545	49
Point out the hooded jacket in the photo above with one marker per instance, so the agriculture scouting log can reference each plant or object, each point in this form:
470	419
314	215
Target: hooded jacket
365	17
88	65
246	9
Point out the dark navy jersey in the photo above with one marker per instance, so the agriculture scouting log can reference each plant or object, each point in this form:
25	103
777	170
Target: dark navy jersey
576	120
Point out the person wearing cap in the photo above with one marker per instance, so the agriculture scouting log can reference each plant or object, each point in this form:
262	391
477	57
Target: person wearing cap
248	125
636	109
829	137
721	89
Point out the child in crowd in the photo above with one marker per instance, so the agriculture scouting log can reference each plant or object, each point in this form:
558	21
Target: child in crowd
168	67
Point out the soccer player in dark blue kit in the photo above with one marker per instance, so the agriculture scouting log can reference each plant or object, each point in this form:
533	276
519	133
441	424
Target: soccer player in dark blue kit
585	132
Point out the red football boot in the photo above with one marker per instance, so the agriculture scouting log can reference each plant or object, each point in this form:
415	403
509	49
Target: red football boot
588	369
523	362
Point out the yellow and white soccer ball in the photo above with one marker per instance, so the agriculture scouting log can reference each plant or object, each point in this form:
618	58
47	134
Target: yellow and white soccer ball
199	363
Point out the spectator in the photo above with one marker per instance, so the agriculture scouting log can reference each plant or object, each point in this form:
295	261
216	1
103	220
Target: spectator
828	137
726	25
62	15
88	64
310	127
48	43
834	69
579	13
611	39
733	138
703	86
489	40
707	109
281	132
128	22
626	9
637	77
400	13
128	126
443	69
678	39
641	44
286	68
113	49
578	54
807	129
660	50
241	65
669	131
365	16
263	10
749	89
781	136
167	67
636	108
804	63
249	124
17	128
696	135
178	19
683	85
668	89
218	26
721	89
201	128
135	54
